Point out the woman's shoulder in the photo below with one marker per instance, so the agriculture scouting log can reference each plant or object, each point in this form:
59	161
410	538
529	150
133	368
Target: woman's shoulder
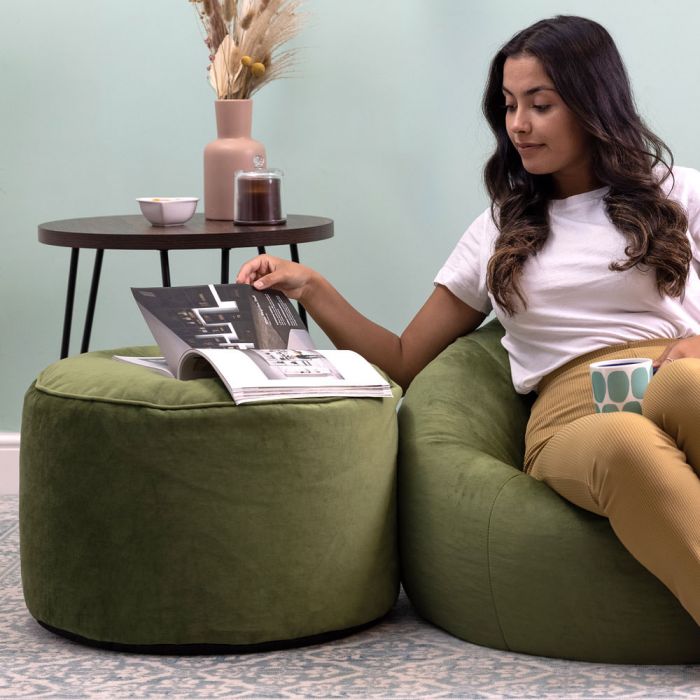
486	221
480	234
681	184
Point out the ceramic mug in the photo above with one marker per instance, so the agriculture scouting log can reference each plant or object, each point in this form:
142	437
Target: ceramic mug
619	385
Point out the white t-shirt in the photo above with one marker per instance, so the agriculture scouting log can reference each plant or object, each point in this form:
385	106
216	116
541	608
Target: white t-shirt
576	304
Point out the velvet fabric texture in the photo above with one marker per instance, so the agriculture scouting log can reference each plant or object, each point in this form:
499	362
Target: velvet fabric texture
499	559
156	512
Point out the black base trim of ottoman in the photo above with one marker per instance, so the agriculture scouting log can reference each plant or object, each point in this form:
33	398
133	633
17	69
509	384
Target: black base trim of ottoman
210	649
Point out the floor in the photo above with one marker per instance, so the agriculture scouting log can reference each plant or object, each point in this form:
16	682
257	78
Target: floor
402	657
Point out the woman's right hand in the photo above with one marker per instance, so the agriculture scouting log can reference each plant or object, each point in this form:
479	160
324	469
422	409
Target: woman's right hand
269	272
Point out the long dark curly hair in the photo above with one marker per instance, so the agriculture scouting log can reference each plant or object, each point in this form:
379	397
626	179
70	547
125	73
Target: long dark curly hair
583	63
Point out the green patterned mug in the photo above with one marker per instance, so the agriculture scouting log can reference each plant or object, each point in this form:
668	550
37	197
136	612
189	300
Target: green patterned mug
619	385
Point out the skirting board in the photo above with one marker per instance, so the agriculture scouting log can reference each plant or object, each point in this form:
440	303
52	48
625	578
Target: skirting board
9	463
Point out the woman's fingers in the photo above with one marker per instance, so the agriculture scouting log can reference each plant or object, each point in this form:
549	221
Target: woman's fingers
269	280
254	269
661	358
268	272
248	270
678	349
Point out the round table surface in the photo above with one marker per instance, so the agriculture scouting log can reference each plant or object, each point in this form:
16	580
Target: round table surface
134	232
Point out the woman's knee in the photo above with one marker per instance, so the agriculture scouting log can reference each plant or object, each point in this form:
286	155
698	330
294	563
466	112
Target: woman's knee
591	446
627	443
627	454
672	402
616	428
674	393
596	456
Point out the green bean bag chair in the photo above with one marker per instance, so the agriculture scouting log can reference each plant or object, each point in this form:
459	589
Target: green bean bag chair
157	516
499	559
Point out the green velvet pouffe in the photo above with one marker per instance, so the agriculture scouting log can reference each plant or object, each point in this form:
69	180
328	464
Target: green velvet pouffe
155	515
499	559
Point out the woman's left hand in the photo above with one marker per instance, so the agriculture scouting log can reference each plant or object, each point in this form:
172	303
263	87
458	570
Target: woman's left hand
685	347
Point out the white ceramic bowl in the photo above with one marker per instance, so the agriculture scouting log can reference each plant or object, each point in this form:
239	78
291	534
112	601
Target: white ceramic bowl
168	211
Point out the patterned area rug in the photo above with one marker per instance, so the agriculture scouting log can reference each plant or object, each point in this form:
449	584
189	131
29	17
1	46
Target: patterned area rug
403	657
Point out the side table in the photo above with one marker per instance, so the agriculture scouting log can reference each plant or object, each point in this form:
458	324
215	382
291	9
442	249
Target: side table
133	232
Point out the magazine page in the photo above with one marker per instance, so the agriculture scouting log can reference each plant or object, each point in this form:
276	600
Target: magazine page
267	374
157	364
220	316
255	341
169	343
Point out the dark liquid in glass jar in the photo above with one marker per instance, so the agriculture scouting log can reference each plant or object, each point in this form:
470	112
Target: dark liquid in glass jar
258	200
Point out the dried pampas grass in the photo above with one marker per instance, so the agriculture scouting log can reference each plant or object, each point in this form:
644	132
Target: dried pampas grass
244	39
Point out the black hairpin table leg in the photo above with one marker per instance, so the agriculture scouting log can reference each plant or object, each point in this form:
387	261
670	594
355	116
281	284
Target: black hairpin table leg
225	265
295	258
92	300
165	268
70	297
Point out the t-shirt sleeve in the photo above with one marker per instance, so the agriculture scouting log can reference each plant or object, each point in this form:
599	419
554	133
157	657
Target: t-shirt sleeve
464	272
693	204
685	188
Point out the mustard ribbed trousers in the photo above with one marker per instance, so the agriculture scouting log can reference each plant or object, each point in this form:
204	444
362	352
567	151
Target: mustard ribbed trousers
641	472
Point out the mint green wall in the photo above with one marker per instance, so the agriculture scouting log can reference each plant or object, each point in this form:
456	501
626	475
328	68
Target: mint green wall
381	130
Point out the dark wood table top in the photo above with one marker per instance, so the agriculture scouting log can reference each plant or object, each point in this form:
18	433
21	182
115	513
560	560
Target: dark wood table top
134	232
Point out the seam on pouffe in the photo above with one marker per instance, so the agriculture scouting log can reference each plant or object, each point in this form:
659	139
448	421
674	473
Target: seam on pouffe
488	559
131	402
187	406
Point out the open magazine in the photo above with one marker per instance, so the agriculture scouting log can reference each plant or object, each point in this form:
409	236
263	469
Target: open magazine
254	341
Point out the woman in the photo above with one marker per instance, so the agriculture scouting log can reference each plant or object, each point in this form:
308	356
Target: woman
589	251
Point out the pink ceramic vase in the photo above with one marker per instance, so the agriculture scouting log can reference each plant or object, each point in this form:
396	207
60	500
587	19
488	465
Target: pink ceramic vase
233	150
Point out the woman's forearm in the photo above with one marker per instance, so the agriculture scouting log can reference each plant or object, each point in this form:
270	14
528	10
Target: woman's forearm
350	330
440	320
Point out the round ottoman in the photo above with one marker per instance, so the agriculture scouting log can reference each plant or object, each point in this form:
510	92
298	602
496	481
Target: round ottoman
157	516
499	559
